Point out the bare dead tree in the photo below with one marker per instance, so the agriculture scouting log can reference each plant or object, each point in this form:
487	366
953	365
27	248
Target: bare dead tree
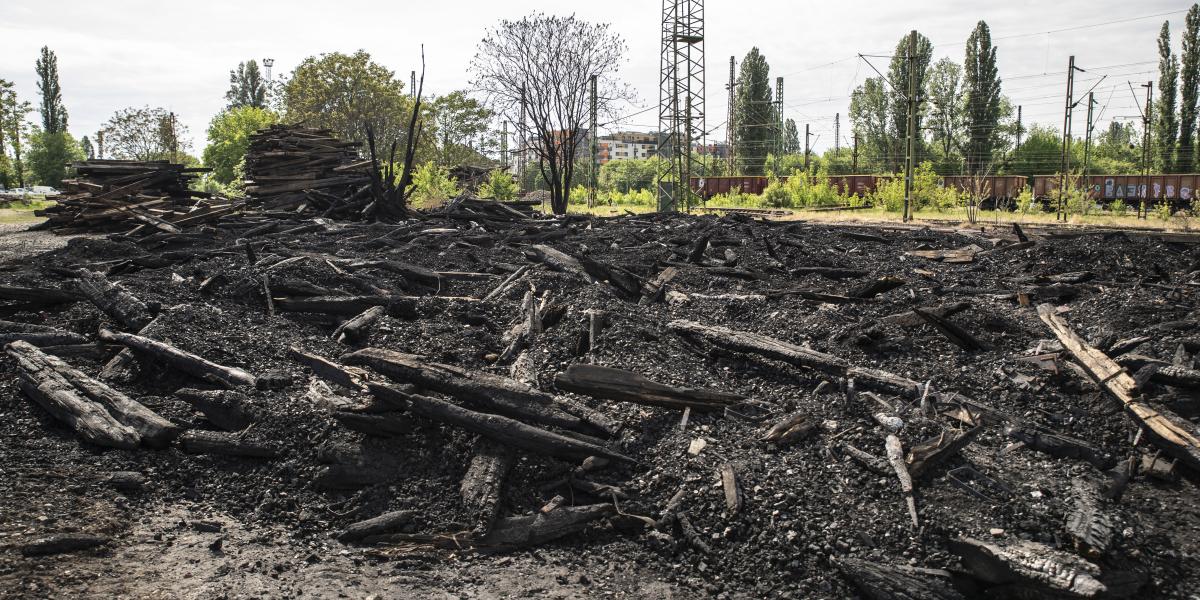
548	61
391	197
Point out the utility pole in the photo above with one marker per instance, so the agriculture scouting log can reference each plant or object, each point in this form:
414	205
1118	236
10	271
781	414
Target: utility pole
595	178
174	140
778	118
731	118
1146	121
1061	213
854	155
912	125
504	146
521	143
837	133
1018	146
806	135
1087	136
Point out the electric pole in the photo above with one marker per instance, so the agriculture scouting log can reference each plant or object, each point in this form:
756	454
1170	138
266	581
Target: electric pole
1061	213
1018	146
778	118
837	133
504	146
912	125
1146	120
1087	136
595	178
854	155
806	135
731	118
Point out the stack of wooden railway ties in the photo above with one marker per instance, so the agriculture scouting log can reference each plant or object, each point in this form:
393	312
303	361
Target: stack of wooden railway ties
117	195
292	168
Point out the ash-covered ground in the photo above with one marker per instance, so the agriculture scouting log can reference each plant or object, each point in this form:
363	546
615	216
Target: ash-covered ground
203	526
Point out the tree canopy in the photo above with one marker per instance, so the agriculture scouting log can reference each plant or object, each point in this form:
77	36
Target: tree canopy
981	103
54	114
145	134
346	93
229	137
246	86
754	113
461	123
49	154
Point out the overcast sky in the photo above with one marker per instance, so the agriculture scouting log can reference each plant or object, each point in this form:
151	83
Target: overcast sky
114	54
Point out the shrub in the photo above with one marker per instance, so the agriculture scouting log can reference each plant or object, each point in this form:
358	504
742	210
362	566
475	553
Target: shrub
1025	200
776	195
499	186
1118	207
431	185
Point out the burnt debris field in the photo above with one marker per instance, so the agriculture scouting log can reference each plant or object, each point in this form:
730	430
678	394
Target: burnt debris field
719	406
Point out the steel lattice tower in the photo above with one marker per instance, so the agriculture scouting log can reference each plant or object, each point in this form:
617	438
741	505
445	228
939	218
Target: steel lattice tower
680	101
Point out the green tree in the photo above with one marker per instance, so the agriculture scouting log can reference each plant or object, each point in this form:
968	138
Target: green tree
944	91
229	137
899	75
246	86
14	129
461	123
49	154
791	137
629	175
145	134
499	186
981	87
1189	86
85	144
346	93
1040	152
54	114
754	113
869	115
1166	125
1117	150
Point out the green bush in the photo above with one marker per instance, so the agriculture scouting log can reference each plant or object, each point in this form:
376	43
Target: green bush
1025	200
1162	210
776	194
1118	207
499	186
431	185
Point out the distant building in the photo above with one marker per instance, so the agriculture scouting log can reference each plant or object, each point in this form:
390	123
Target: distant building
627	145
715	149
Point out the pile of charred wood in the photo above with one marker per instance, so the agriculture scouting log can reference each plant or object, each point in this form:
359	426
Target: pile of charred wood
292	168
118	195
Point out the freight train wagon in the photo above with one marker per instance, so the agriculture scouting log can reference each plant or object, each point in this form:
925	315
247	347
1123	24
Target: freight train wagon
992	188
708	187
1179	190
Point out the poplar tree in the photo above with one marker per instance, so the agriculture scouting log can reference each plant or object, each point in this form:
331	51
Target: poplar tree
982	103
54	114
246	86
1189	79
755	113
1166	125
898	75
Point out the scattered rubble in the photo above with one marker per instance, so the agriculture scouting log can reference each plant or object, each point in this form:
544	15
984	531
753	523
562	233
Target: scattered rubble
902	412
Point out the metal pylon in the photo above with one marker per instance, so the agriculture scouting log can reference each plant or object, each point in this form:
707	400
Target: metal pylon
680	101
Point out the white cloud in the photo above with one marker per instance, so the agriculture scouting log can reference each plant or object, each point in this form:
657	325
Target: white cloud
115	54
